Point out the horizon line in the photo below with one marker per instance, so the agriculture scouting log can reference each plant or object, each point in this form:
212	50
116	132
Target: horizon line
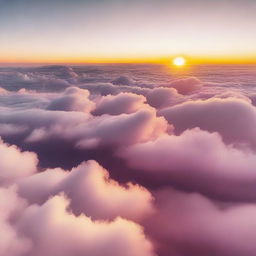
164	61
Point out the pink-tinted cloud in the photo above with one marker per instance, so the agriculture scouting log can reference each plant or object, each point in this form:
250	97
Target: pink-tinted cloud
90	191
196	160
123	103
191	224
15	164
87	131
123	80
123	201
161	97
233	118
11	206
55	231
186	85
73	99
3	91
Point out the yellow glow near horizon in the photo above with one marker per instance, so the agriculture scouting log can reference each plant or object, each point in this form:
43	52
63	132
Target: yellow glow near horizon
179	61
12	59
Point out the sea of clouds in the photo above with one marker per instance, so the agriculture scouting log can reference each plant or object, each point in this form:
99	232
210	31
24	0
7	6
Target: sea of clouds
127	160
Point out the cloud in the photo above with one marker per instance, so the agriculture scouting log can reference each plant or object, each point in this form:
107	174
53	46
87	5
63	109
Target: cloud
90	194
72	99
123	103
25	99
191	224
10	130
88	186
109	88
64	72
11	206
15	164
123	80
124	129
233	118
196	160
55	231
81	128
126	160
50	78
66	138
90	190
3	91
186	85
161	97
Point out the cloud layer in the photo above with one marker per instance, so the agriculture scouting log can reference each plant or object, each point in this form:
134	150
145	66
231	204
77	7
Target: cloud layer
127	160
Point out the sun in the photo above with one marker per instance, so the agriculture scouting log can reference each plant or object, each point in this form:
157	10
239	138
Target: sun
179	61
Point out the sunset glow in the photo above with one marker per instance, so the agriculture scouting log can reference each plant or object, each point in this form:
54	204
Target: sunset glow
127	127
103	32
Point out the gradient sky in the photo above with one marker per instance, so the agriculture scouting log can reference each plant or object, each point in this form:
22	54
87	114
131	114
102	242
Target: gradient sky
126	30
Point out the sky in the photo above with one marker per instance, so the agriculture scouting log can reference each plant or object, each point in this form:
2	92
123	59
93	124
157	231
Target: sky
127	30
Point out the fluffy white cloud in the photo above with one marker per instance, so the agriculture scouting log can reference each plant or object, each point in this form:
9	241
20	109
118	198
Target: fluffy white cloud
123	103
73	99
161	97
91	192
233	118
196	160
44	226
55	231
186	85
191	224
117	115
15	164
11	206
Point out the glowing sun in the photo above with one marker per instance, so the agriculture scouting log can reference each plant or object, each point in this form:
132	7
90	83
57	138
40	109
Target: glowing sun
179	61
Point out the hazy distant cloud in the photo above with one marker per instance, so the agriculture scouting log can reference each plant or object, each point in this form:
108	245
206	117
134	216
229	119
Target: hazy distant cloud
11	130
73	99
163	97
25	99
44	78
109	88
123	80
186	85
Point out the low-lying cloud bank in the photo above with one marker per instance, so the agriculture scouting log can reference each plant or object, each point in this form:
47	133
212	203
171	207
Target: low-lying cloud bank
101	161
